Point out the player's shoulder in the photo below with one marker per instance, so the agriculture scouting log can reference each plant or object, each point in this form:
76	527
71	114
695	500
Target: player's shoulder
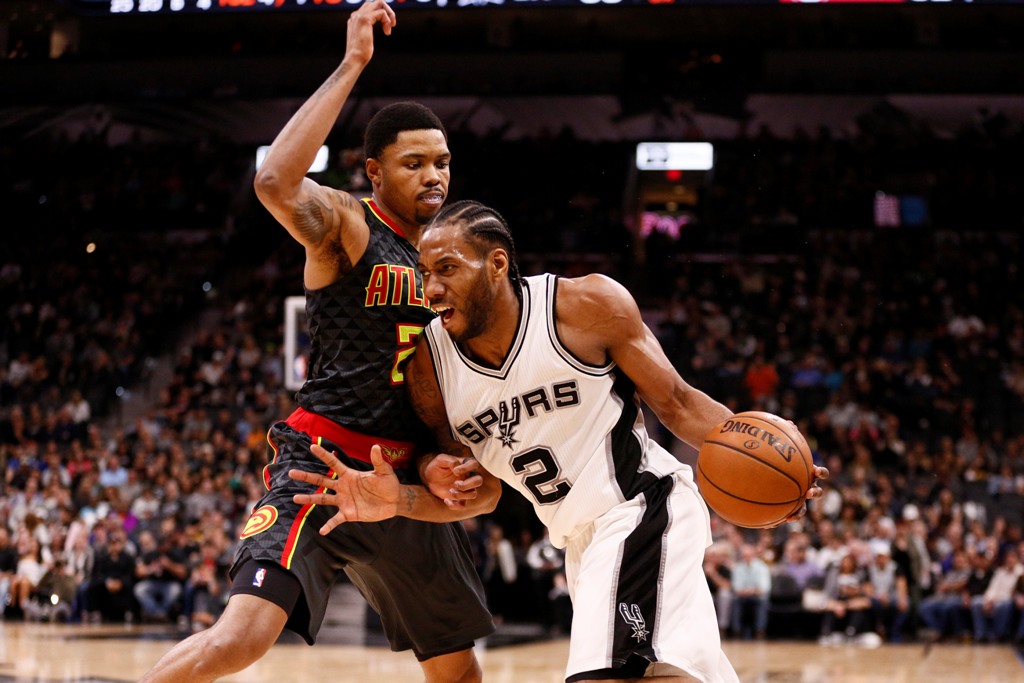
357	212
593	292
595	304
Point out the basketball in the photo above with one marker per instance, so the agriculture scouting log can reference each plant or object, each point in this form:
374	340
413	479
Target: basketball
754	469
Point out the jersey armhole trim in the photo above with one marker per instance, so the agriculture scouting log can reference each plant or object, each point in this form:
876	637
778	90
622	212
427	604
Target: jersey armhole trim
551	287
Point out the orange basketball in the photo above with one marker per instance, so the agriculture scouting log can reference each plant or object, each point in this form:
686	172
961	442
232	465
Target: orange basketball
754	469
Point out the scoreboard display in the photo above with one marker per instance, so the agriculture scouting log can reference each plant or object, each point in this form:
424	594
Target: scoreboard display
238	6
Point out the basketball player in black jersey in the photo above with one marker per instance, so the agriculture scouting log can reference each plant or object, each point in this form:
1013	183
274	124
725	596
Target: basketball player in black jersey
365	308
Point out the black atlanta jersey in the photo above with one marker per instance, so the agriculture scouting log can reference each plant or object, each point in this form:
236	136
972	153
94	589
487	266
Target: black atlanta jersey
361	327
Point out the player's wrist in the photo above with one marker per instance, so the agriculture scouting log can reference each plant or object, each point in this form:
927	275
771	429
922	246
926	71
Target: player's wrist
410	501
422	463
354	60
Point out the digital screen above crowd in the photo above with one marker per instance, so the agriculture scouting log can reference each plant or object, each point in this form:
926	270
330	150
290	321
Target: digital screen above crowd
241	6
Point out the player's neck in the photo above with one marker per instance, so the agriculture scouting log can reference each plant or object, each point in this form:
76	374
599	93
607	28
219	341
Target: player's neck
409	230
492	347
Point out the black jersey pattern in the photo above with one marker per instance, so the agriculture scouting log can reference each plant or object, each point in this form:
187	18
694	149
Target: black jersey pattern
360	327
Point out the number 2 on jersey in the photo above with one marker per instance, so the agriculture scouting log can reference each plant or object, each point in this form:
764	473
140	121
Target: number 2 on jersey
541	478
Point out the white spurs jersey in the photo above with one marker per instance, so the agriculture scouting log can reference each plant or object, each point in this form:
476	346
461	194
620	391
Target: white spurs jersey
568	435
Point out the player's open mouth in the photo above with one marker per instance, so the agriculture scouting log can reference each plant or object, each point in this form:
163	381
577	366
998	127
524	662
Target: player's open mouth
445	313
434	198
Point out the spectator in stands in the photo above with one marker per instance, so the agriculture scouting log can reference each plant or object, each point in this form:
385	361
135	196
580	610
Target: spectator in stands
79	559
500	572
545	562
718	571
1018	605
939	610
113	475
849	603
887	587
30	571
8	566
796	563
992	611
159	574
829	547
751	587
206	592
110	588
910	554
761	380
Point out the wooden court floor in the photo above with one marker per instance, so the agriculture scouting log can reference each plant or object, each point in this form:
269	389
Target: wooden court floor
98	654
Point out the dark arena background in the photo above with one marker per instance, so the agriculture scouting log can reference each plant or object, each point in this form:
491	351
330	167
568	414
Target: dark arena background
818	206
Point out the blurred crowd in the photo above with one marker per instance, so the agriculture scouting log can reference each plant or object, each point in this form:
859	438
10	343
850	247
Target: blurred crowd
898	352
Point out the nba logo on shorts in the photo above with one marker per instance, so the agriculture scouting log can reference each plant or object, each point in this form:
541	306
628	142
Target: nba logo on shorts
257	580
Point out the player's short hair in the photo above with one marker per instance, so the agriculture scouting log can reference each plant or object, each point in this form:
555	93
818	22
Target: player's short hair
487	229
388	122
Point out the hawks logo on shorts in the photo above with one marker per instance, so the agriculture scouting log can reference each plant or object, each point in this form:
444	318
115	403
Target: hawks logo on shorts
260	520
393	454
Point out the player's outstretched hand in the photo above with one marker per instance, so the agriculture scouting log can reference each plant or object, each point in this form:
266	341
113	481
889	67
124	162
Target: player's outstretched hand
453	479
359	45
359	496
813	492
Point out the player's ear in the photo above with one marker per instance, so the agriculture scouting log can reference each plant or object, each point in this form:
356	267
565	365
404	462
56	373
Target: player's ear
499	262
373	171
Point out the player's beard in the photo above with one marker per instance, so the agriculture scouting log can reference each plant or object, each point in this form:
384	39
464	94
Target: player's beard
477	309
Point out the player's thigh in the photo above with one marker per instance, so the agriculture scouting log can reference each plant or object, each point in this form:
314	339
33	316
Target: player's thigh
454	667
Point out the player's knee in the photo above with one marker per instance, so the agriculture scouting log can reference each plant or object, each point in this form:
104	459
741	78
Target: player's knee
473	672
459	667
229	648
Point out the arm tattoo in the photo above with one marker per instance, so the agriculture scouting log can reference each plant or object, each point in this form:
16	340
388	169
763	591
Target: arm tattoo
427	400
332	80
315	221
311	219
410	498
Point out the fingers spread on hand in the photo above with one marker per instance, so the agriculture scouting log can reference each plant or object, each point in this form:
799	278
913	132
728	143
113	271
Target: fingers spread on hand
329	458
333	523
314	499
309	477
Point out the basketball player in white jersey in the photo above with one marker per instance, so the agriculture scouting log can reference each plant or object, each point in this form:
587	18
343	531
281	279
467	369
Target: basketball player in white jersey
541	379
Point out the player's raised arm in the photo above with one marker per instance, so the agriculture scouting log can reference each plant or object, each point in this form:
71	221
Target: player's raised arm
320	217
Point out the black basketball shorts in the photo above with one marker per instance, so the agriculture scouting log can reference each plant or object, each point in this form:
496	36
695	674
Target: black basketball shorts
418	576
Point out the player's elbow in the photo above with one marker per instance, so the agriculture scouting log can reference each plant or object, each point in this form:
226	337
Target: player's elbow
268	185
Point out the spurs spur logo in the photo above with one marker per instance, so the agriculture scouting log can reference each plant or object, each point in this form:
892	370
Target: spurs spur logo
631	613
508	421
